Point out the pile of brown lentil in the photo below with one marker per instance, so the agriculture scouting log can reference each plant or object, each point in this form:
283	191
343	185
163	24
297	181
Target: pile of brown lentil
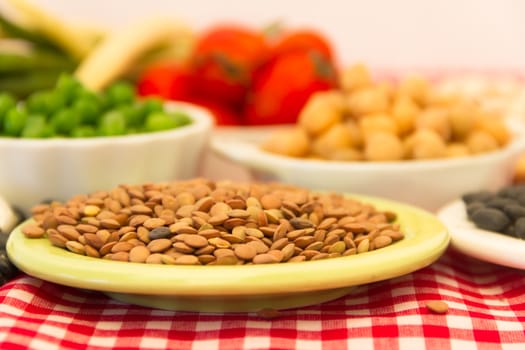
201	222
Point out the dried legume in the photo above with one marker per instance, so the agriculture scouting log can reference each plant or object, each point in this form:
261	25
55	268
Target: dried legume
371	120
437	306
502	211
213	223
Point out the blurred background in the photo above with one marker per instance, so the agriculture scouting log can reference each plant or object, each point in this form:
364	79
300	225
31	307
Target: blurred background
474	34
105	68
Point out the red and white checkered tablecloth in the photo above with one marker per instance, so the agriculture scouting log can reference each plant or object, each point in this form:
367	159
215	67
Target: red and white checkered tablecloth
486	311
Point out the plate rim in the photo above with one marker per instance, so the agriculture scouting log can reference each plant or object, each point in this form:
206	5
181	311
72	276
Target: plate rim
453	215
418	249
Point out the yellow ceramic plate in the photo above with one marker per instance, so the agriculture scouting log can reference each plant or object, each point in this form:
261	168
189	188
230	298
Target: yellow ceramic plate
238	288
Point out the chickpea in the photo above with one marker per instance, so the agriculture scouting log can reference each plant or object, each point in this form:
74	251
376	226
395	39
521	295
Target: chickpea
371	124
435	119
456	149
367	120
383	146
292	142
416	87
438	99
337	137
356	136
494	126
480	141
355	77
461	117
369	100
404	112
388	89
347	154
425	144
321	111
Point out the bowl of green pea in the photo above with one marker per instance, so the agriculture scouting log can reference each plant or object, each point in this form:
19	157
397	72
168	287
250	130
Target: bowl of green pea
68	140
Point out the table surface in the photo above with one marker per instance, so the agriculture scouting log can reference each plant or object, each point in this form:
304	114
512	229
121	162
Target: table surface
486	311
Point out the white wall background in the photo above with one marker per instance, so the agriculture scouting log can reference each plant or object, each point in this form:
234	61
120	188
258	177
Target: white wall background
382	33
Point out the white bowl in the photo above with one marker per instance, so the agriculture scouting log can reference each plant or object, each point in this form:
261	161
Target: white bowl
34	170
428	184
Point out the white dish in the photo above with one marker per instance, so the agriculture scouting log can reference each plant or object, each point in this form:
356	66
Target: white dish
492	247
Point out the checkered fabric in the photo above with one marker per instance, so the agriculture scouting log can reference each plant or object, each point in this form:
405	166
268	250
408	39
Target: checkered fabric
486	311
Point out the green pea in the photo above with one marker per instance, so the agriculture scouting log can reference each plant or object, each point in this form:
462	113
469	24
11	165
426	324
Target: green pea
180	118
45	102
158	121
36	102
36	126
112	123
150	105
14	121
121	93
69	87
65	120
90	95
84	131
88	109
70	109
132	114
105	102
7	102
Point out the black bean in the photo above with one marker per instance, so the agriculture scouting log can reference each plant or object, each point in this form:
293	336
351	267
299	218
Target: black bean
521	198
513	191
502	211
510	231
4	280
160	232
491	219
7	269
514	211
3	240
473	207
500	202
519	228
480	196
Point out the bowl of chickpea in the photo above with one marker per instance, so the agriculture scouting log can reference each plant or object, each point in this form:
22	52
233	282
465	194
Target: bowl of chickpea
404	140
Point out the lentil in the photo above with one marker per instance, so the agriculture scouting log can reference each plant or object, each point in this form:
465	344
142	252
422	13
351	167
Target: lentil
213	223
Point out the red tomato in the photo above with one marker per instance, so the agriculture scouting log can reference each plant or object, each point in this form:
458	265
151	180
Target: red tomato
167	80
224	61
303	40
282	87
224	115
172	81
